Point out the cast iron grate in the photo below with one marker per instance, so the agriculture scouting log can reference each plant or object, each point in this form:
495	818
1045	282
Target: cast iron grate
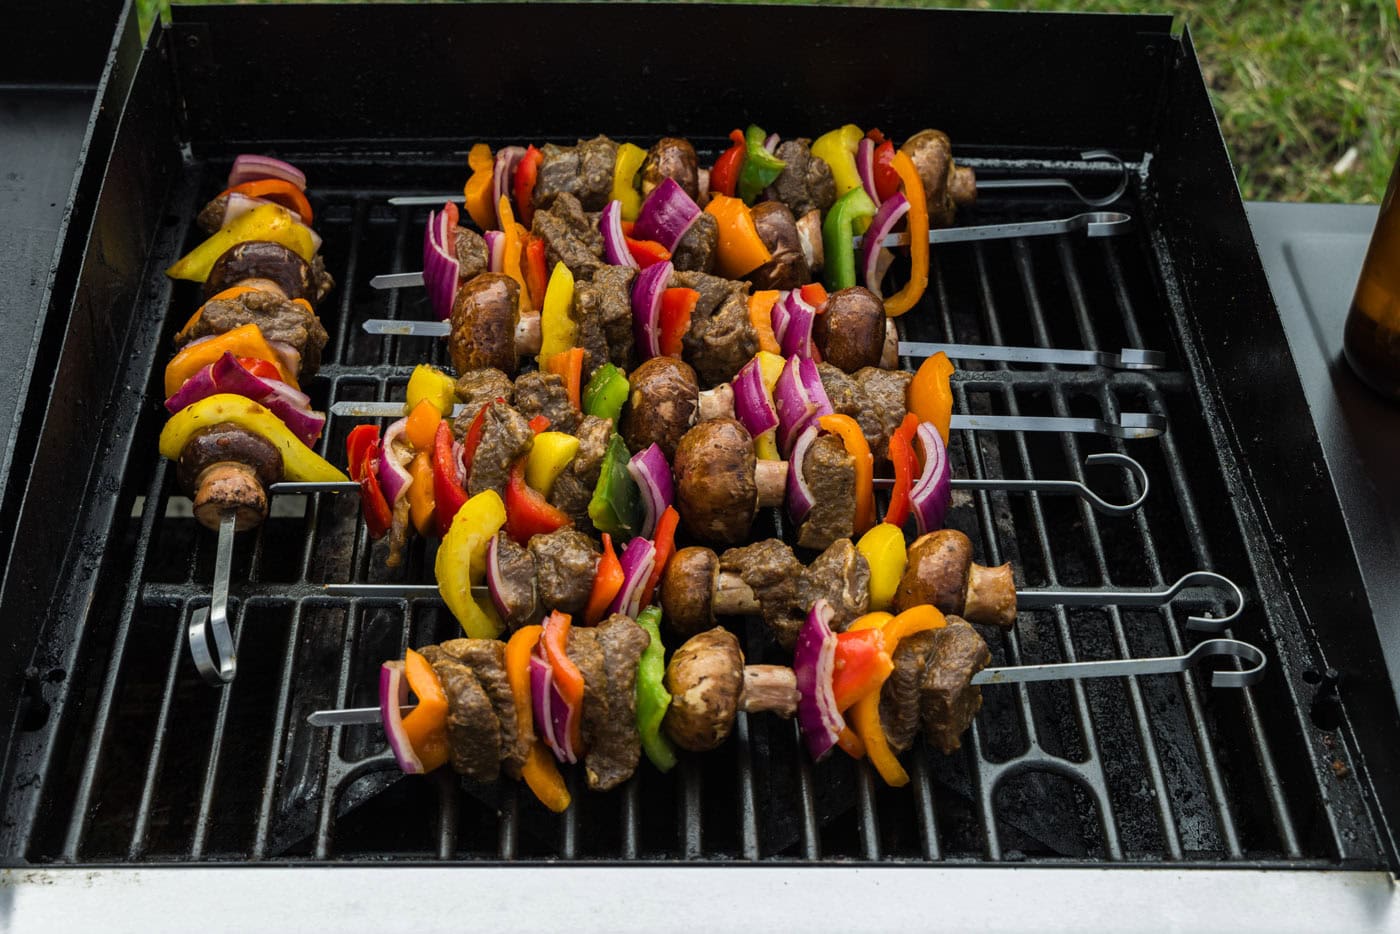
148	764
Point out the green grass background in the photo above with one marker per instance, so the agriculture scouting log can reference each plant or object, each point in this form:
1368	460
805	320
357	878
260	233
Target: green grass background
1307	92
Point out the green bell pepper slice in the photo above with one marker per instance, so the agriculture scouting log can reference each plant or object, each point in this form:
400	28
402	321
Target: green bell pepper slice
761	167
838	236
606	392
616	506
652	696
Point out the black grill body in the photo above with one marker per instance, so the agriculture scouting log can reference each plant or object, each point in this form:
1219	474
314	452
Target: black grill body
116	753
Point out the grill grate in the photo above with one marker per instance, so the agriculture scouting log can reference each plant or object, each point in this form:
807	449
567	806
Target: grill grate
149	765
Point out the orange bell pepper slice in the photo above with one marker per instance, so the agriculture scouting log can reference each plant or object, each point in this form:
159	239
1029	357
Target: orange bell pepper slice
426	725
761	317
567	678
569	365
478	188
277	190
245	341
664	540
607	581
862	664
917	219
511	253
741	250
421	427
422	507
814	294
540	772
848	429
930	393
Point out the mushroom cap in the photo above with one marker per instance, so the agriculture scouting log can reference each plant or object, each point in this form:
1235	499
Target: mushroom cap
262	259
851	331
665	396
715	489
777	228
937	572
227	443
688	588
674	158
705	678
484	317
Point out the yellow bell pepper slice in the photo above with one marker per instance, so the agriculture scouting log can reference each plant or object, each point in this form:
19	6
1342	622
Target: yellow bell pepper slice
478	188
549	455
430	384
838	150
266	222
629	159
770	367
884	550
299	462
461	563
558	330
907	297
741	250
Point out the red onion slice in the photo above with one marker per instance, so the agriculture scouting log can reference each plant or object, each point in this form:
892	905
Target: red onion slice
226	374
614	243
794	405
542	701
393	476
797	336
503	173
393	694
495	583
812	383
638	561
933	492
653	476
666	215
771	143
495	251
752	404
800	498
865	168
440	265
814	664
249	167
646	307
870	249
781	315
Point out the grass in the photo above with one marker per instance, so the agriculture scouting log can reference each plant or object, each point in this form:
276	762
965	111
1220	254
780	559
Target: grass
1308	93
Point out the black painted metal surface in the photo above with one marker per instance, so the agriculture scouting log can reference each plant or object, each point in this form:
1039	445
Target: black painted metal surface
122	754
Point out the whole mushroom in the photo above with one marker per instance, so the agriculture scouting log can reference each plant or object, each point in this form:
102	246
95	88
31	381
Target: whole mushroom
941	572
720	484
485	315
709	684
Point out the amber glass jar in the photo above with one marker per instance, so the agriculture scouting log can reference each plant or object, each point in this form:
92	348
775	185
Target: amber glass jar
1371	340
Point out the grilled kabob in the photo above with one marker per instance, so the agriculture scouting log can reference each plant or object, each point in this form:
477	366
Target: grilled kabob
599	695
240	421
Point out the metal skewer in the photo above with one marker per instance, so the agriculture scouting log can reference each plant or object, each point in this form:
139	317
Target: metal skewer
1053	487
989	184
1025	599
1130	425
1250	655
219	666
1091	223
1128	358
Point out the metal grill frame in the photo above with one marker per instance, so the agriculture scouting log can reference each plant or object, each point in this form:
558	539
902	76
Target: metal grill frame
148	185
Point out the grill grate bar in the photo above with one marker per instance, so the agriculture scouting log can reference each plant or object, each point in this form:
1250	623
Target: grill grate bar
141	825
91	762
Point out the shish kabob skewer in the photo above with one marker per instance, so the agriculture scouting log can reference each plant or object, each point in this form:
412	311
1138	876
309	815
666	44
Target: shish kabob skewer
239	421
488	709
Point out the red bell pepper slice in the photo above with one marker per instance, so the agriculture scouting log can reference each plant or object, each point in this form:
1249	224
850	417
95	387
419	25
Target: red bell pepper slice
906	468
539	423
536	277
886	178
526	172
862	664
814	294
473	438
448	495
676	308
360	440
262	369
646	252
724	177
378	515
665	542
607	581
527	512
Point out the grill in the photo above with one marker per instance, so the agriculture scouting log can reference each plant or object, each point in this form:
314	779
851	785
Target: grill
120	754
